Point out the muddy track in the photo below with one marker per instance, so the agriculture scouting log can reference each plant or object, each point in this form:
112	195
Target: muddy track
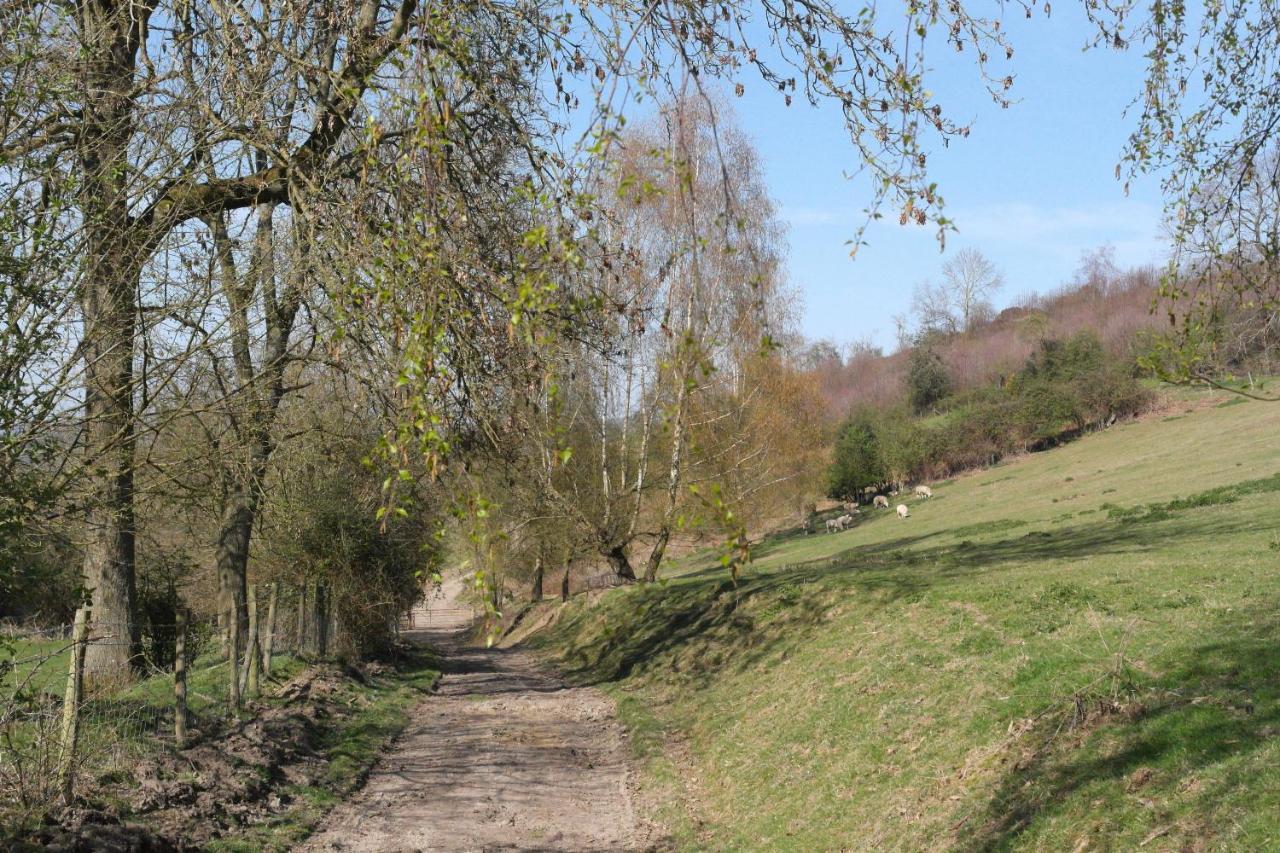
505	756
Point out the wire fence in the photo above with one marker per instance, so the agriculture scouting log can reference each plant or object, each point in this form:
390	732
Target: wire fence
67	715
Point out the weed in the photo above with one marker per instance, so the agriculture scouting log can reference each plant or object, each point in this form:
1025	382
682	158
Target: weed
1210	497
988	527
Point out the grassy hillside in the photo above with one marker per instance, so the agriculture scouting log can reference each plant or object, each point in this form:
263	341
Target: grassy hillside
1071	651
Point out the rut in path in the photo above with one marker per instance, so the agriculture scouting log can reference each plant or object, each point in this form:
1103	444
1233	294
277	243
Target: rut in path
503	757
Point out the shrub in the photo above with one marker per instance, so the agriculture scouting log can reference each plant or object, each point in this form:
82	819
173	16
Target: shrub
1046	407
159	576
1064	386
1114	391
325	527
1073	383
902	448
40	578
928	382
857	462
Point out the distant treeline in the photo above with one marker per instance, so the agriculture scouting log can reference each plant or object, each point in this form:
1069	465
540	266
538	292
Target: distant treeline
1115	305
1063	389
961	395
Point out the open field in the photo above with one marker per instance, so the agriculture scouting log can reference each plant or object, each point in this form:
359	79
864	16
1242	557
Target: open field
1074	650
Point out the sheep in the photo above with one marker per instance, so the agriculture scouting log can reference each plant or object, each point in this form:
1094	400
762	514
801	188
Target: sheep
881	501
833	525
903	512
923	492
845	521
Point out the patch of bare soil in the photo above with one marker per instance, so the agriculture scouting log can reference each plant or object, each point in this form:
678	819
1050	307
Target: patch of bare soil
230	780
505	757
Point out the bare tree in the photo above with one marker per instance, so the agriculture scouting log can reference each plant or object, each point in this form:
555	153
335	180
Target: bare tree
973	281
935	309
962	299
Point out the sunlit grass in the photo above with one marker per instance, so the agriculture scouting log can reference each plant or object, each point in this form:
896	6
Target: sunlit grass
1050	653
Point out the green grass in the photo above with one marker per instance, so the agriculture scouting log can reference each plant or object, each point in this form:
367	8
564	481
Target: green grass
38	663
1078	649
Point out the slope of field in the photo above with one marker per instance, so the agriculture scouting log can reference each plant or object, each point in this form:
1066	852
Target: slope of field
1072	651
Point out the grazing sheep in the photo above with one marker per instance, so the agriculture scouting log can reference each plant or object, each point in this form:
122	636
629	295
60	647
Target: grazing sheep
833	525
903	512
845	521
923	492
881	501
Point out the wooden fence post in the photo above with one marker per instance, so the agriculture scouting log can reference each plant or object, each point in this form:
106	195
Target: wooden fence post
301	645
334	633
71	705
233	663
269	638
252	655
321	620
180	680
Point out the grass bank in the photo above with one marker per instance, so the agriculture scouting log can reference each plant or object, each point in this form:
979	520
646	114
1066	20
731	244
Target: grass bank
1073	650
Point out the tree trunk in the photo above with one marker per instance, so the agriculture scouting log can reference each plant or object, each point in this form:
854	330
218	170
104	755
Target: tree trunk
655	556
686	356
564	584
320	607
233	559
300	641
262	389
673	481
108	299
619	562
536	593
269	638
315	634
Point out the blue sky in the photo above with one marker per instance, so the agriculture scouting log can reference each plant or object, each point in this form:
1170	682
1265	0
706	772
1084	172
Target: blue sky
1033	187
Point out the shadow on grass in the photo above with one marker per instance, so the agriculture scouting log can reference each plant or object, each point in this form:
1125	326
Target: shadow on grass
1221	704
701	623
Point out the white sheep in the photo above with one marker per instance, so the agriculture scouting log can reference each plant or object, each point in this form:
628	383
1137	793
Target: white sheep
881	501
903	512
923	492
833	525
845	521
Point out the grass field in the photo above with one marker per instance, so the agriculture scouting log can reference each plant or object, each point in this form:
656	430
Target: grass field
1075	650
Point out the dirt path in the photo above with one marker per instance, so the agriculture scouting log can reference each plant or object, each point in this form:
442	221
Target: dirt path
504	757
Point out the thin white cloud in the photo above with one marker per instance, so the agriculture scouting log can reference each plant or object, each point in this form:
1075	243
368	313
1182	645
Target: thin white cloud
808	215
1133	228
